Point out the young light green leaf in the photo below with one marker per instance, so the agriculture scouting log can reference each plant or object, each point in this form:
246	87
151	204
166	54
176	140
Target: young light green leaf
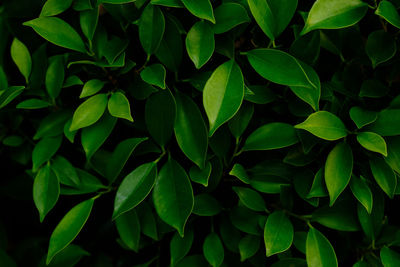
44	150
173	195
389	12
334	14
180	246
200	8
89	112
319	251
33	103
134	188
94	136
362	117
362	192
88	20
325	125
373	142
22	58
200	43
384	175
389	257
338	170
128	227
55	76
223	94
68	228
58	32
380	47
91	87
278	233
46	190
190	130
54	7
271	136
151	28
200	176
272	16
154	75
119	107
213	250
248	246
250	198
228	16
282	68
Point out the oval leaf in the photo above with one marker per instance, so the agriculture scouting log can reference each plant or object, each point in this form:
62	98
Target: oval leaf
200	8
228	16
151	28
200	43
89	112
119	107
384	175
389	12
213	250
154	75
373	142
128	227
22	58
278	233
380	47
319	251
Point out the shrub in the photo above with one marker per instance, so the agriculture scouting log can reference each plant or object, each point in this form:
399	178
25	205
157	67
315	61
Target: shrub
196	132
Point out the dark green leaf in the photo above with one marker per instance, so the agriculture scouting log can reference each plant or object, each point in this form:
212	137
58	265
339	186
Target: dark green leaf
206	205
33	103
200	43
389	257
362	192
388	11
384	175
200	8
362	117
248	246
55	76
151	28
154	75
380	47
44	150
213	250
180	246
228	16
128	227
250	198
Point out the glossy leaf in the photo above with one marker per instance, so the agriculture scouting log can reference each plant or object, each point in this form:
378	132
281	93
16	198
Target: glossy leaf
223	94
69	227
325	125
200	43
119	107
389	12
338	170
173	195
373	142
89	112
91	87
154	75
22	58
58	32
201	9
65	171
319	251
213	250
334	14
282	68
278	233
134	188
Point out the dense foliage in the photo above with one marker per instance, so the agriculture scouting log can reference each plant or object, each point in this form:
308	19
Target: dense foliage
198	132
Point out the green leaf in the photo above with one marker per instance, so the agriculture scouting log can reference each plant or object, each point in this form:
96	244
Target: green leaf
319	251
160	113
6	260
373	142
223	94
69	227
284	262
362	192
200	43
119	107
362	117
278	233
65	171
373	88
44	150
173	195
88	20
228	16
325	125
200	176
91	87
272	16
33	103
52	125
334	14
248	246
240	172
148	224
190	130
72	81
389	12
46	190
393	157
380	47
200	8
22	58
318	187
134	188
338	170
94	136
389	257
128	227
250	198
384	175
206	205
387	123
180	246
213	250
151	28
271	136
71	255
89	112
168	3
54	7
9	94
154	75
238	123
58	32
55	76
282	68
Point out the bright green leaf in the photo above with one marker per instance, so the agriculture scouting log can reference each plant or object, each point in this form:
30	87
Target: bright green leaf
362	117
200	43
384	175
389	12
278	233
119	107
319	251
362	192
89	112
91	87
373	142
54	7
200	8
22	58
154	75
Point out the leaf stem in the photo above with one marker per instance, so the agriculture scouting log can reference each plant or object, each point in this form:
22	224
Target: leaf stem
161	155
